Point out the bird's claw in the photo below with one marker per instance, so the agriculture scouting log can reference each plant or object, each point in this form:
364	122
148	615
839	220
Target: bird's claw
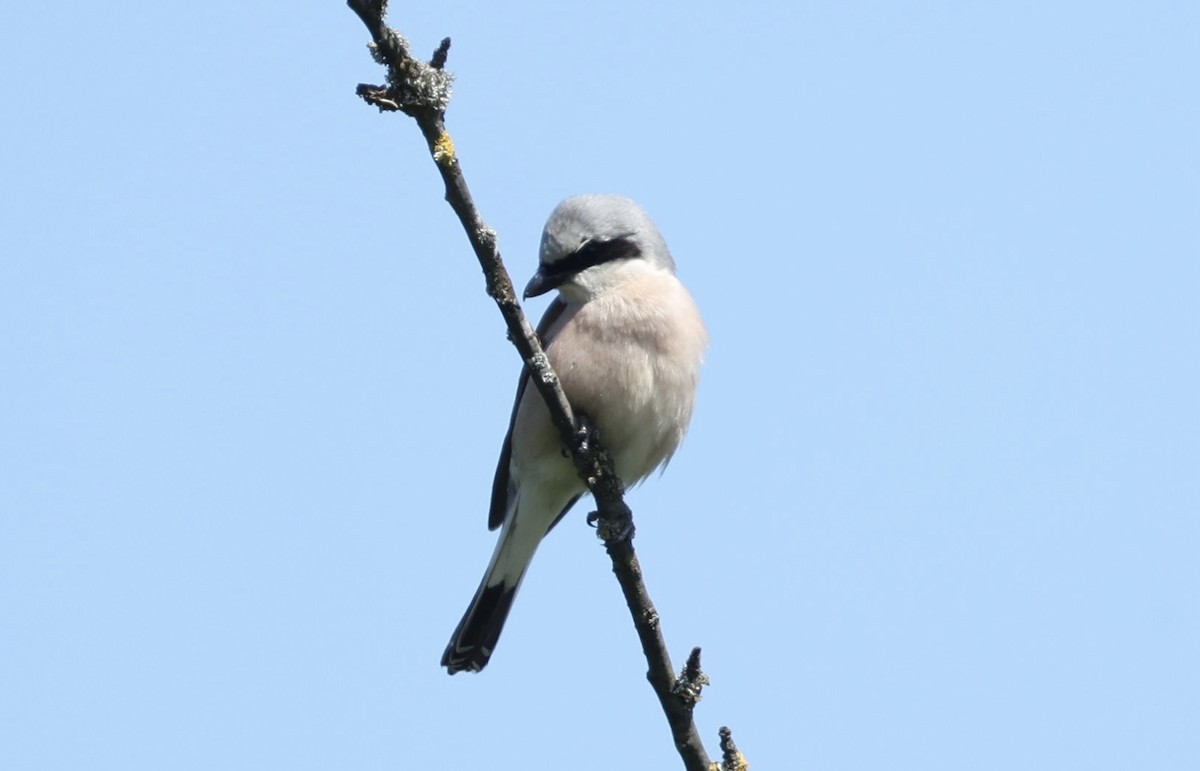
615	529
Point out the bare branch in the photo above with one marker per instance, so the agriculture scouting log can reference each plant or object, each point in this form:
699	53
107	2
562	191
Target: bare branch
678	697
422	91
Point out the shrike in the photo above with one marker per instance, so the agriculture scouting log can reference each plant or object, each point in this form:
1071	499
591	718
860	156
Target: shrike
626	341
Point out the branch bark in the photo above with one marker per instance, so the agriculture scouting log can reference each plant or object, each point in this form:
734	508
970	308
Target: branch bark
422	91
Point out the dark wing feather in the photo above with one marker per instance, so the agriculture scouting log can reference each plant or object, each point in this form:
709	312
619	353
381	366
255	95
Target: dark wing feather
502	487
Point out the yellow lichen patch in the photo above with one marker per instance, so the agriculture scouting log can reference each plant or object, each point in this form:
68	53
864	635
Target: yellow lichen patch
443	149
735	763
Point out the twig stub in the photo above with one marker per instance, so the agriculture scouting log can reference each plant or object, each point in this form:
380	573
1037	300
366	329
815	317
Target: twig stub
731	758
438	61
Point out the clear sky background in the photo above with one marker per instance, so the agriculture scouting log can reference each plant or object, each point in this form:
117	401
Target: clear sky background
939	505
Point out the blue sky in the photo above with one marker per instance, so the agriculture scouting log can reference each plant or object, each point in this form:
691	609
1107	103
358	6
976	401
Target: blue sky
939	505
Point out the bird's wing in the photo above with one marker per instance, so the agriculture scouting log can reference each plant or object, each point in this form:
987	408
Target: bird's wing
503	488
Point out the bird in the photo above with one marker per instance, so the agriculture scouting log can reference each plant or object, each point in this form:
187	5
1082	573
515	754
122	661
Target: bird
627	342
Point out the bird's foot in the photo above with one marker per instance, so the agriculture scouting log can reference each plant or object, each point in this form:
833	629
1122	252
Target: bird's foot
618	528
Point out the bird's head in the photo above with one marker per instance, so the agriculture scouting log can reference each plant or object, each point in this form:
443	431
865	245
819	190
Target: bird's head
592	243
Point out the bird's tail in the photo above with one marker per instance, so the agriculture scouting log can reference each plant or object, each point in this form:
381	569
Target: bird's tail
475	638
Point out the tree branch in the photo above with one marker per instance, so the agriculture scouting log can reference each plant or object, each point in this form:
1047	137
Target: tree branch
422	91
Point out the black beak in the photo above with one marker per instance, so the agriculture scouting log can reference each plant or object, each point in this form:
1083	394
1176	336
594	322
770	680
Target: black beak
540	284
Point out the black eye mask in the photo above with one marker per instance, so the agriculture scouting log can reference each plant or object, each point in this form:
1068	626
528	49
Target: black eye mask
588	255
